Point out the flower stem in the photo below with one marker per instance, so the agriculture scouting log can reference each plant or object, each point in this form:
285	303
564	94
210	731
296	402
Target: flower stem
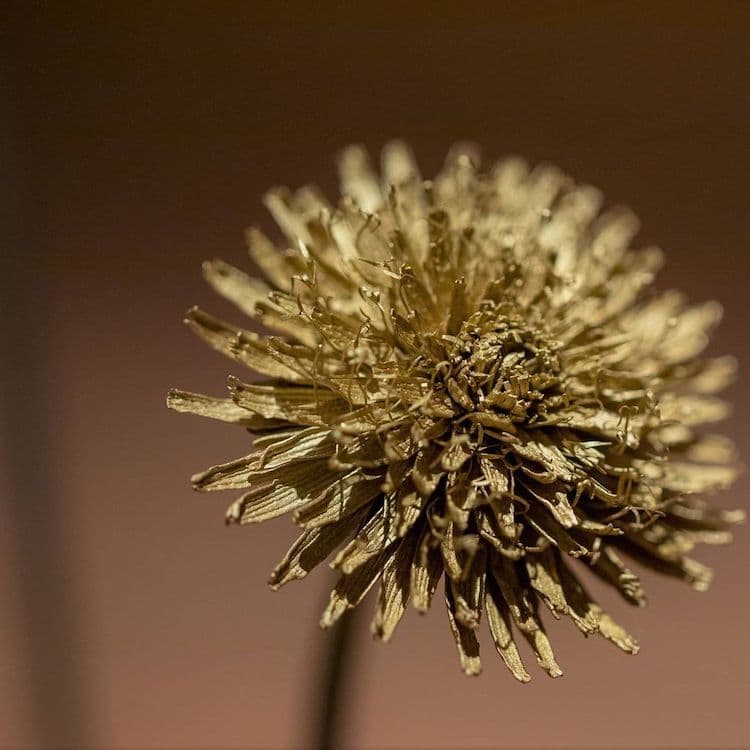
335	670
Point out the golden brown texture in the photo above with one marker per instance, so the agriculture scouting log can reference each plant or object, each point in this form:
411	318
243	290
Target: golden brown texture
470	378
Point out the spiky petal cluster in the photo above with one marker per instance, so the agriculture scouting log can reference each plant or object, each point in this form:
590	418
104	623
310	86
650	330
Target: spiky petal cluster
470	380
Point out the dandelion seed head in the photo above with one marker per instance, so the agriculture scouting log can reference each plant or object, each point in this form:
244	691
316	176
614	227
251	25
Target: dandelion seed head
470	379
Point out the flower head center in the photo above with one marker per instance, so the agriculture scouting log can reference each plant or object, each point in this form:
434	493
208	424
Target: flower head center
498	363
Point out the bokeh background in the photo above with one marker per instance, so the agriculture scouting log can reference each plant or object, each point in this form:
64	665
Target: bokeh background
138	141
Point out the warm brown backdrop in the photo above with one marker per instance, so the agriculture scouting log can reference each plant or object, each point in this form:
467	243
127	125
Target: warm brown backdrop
141	139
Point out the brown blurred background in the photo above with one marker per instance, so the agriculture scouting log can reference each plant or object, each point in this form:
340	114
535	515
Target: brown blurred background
139	140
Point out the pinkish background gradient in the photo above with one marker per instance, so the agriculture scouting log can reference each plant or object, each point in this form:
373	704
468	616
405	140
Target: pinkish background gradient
148	134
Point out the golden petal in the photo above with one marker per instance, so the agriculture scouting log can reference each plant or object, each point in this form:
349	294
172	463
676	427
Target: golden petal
395	588
713	376
281	490
235	285
469	592
311	548
426	570
465	638
296	404
340	498
523	609
234	474
699	576
498	619
692	409
277	267
240	345
223	409
610	568
543	576
375	535
581	609
351	589
399	165
358	179
617	634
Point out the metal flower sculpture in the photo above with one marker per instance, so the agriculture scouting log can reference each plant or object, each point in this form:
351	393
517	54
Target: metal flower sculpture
471	378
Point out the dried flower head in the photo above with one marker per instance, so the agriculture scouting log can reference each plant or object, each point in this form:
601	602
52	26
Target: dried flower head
471	380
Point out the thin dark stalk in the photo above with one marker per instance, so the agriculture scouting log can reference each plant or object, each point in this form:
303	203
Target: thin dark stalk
332	688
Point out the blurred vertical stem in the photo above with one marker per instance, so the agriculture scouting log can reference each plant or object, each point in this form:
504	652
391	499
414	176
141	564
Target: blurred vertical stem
35	509
331	689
